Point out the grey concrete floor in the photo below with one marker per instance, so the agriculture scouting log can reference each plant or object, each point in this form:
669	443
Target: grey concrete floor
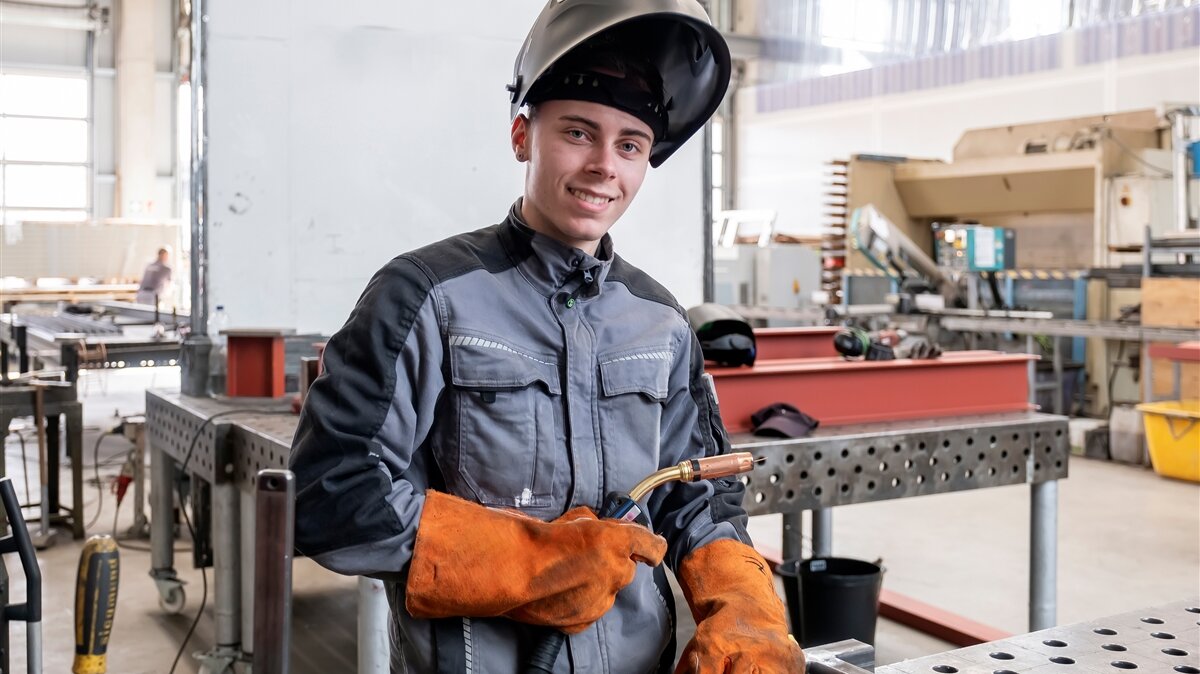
1127	539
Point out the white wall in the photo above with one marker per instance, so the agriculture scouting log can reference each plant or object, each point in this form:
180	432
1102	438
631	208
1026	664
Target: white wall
340	139
781	154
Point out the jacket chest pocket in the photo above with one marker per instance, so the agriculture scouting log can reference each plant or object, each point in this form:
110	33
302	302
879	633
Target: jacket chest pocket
508	407
633	393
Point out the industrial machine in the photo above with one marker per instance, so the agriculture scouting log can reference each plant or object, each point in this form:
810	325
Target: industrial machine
974	248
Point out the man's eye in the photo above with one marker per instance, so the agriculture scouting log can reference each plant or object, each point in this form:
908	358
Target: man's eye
631	148
576	134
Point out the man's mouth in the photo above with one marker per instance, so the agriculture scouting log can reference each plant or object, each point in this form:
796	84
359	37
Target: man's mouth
589	198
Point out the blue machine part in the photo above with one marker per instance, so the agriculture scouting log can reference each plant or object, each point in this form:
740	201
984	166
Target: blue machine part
1194	152
975	248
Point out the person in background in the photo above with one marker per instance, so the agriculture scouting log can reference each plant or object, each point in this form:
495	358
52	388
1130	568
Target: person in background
156	279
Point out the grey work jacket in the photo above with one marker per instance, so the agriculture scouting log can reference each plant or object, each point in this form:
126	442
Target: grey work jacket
509	369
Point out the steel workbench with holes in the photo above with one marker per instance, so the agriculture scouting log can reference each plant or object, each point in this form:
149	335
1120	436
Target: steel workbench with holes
835	466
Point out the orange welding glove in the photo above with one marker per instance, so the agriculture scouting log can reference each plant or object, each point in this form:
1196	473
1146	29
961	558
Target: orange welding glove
741	625
473	561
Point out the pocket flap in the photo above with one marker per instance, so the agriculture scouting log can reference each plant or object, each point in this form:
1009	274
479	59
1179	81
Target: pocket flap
480	363
648	373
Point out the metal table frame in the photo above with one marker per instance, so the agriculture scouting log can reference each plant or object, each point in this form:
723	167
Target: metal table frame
836	466
60	403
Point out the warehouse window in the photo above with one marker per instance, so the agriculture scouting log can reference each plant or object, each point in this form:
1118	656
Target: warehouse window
44	148
719	202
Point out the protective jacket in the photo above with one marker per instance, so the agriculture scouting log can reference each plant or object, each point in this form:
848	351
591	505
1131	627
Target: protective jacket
509	369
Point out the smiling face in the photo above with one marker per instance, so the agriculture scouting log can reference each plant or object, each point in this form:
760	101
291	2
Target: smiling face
586	163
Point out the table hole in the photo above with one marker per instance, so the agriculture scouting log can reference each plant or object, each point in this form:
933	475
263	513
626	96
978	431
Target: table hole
933	460
1016	469
1162	635
1055	643
945	669
895	482
1058	433
1004	454
1060	660
992	441
1174	651
958	458
991	472
759	498
908	464
945	477
1048	449
920	479
1037	466
774	478
858	469
816	456
871	486
1114	647
1185	669
968	474
1058	464
1105	631
970	441
804	475
1026	451
921	445
1001	655
945	443
870	451
817	491
1153	621
1016	436
1123	664
831	472
982	456
1004	671
790	494
845	489
896	448
845	452
1193	609
883	466
790	458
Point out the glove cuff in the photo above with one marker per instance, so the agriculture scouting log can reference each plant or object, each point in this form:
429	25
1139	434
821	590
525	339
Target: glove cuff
728	574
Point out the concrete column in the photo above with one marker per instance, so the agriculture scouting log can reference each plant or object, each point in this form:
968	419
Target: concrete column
135	108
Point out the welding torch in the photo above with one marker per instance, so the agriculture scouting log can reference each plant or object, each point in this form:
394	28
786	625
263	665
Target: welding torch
625	507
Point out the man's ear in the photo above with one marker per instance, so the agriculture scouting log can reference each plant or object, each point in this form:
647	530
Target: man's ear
519	134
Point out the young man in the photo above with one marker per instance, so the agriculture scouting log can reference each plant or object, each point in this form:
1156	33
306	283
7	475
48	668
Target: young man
489	390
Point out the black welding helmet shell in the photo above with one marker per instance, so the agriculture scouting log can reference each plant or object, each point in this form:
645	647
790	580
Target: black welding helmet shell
675	37
725	337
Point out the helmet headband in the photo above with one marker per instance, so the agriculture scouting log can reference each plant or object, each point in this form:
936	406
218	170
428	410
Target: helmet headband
595	87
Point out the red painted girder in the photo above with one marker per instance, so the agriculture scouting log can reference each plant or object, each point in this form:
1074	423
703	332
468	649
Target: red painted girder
836	391
779	343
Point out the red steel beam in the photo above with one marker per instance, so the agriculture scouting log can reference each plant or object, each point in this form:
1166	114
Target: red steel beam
779	343
836	391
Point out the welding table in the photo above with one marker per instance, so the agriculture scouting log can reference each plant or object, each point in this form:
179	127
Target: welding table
60	402
836	466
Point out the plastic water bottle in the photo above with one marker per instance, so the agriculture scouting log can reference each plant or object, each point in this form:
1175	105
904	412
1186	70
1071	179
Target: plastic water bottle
217	322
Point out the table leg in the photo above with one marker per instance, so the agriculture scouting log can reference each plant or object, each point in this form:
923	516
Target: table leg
822	532
1043	555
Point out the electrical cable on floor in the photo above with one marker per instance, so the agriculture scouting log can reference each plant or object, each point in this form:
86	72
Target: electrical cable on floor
99	486
24	462
183	509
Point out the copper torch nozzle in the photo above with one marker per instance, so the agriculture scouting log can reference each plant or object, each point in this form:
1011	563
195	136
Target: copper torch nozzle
713	467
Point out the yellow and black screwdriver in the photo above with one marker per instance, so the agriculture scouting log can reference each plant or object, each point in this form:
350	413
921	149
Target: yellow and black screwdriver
95	604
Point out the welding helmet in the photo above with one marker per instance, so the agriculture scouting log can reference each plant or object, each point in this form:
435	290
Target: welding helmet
675	40
725	337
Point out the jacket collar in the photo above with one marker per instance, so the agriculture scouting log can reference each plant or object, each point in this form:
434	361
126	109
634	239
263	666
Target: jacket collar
550	265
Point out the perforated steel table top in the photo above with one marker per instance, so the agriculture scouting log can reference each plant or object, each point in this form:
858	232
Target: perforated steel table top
1160	639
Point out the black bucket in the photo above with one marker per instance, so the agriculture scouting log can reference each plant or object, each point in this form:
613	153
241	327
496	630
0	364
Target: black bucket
831	599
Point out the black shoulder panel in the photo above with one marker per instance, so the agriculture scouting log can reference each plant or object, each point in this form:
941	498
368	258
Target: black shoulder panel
464	253
640	284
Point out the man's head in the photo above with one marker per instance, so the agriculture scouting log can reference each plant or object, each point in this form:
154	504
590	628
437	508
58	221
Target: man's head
587	135
164	255
607	89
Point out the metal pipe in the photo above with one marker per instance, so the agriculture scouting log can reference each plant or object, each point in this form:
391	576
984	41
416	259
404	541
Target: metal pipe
1031	369
1043	555
162	505
194	354
274	519
793	536
91	122
1058	375
226	572
373	615
822	532
1179	142
248	512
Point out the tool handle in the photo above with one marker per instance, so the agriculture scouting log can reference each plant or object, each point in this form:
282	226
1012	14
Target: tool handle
545	654
95	604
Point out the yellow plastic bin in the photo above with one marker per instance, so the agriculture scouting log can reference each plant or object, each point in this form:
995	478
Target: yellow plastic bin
1173	434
